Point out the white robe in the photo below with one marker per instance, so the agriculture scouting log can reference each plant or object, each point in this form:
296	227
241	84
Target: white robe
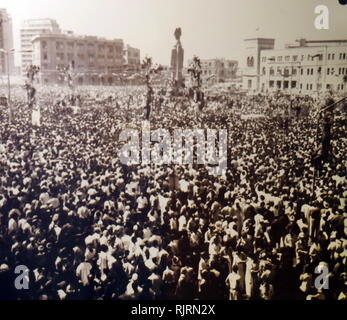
36	117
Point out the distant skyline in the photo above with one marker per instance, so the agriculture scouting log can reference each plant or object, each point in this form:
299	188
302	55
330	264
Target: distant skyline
210	29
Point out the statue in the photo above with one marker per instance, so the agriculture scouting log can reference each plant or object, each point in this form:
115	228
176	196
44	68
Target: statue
177	58
178	34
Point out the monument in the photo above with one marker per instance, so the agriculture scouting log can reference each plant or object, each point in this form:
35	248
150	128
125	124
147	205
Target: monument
177	57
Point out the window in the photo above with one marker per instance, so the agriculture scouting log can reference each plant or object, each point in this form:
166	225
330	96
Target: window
287	59
271	84
308	71
302	71
302	57
293	84
333	56
311	71
279	59
70	56
328	86
249	84
44	44
263	59
295	58
328	71
344	56
45	56
329	55
250	62
272	71
60	56
59	46
264	71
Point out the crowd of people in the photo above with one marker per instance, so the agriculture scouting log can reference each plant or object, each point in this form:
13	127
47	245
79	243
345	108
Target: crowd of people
87	226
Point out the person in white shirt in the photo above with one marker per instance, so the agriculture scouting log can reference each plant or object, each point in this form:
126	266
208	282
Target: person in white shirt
83	272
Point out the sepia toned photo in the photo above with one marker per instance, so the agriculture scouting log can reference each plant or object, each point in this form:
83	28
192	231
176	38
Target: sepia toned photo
156	150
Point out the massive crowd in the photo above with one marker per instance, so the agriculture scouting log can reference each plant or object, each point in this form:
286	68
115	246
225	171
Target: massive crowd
88	227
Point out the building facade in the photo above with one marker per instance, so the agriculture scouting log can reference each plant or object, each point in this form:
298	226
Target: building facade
6	43
309	67
218	70
96	60
133	58
30	29
253	49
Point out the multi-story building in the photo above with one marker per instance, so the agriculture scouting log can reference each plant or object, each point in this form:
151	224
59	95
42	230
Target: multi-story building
30	29
96	60
308	67
6	43
253	49
132	58
217	70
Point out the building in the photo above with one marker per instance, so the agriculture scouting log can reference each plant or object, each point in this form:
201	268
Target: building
308	67
133	58
30	29
6	43
253	49
218	70
96	60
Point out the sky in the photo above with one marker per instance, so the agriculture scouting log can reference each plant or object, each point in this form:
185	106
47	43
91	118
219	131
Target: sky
210	28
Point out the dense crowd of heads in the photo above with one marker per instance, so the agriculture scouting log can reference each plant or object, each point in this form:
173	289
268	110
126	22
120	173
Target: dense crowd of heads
88	227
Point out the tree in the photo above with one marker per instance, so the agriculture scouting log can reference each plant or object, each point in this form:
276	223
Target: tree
195	72
68	73
149	70
31	72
